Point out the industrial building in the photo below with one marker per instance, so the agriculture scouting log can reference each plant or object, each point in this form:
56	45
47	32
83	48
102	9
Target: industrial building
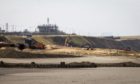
49	28
45	29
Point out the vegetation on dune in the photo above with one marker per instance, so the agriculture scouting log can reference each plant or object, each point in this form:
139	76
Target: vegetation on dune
57	40
79	41
60	40
43	39
16	39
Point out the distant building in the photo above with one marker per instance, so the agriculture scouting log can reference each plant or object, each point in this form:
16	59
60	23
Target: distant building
49	29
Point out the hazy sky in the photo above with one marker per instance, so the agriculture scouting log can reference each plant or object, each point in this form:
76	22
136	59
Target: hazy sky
85	17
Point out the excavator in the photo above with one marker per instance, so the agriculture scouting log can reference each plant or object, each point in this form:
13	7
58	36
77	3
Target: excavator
33	44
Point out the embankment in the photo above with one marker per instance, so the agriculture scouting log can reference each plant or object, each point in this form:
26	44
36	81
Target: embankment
95	42
79	41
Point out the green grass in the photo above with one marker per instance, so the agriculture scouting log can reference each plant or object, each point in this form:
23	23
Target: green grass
43	39
15	39
79	41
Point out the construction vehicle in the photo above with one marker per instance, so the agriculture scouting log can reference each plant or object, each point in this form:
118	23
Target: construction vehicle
33	44
37	46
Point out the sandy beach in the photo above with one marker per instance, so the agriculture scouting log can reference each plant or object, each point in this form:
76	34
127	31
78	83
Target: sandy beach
70	76
96	59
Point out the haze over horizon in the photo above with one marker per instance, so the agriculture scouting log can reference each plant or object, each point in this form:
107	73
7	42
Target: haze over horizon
84	17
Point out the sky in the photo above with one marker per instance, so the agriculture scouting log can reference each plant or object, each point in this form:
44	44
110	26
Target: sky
84	17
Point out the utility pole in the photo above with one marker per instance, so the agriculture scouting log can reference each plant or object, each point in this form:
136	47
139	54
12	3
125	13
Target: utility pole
47	20
6	26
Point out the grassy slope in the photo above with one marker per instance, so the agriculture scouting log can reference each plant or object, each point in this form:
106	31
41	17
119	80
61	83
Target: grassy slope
81	40
15	39
42	39
60	40
77	40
